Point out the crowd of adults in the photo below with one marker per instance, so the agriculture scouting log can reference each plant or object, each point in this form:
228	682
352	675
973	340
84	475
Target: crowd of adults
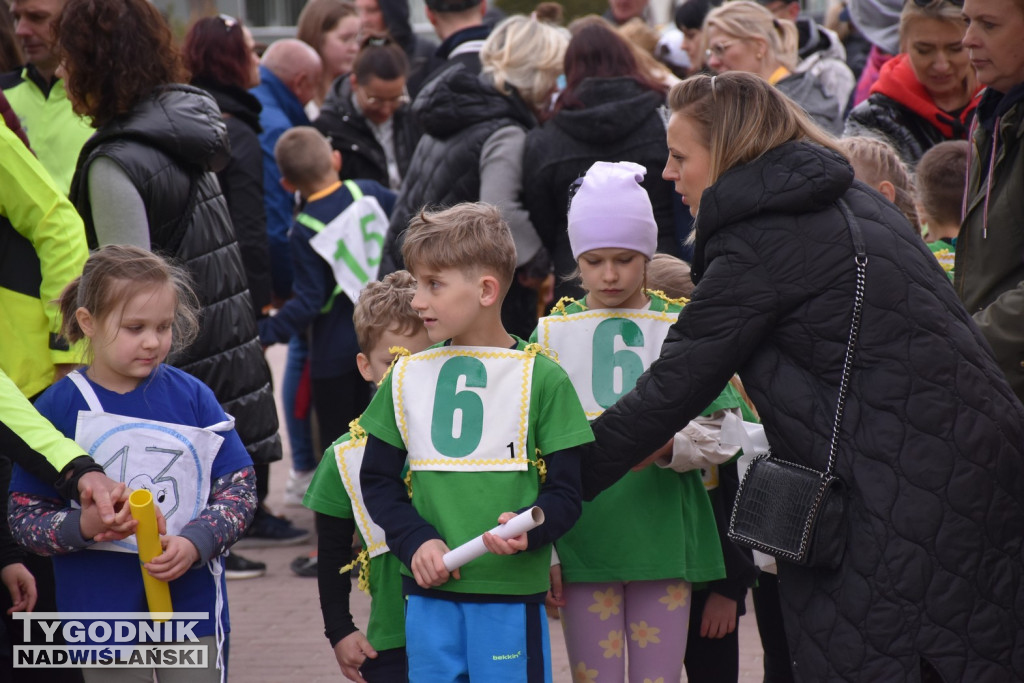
140	138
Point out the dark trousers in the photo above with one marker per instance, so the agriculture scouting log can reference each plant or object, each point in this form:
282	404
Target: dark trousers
768	610
337	401
390	666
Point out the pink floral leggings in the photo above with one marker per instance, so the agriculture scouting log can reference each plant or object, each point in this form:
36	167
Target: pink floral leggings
648	620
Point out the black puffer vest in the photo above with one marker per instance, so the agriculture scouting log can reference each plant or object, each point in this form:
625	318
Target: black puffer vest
458	111
170	145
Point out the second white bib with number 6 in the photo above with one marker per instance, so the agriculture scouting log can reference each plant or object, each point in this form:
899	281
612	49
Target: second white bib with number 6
464	408
623	343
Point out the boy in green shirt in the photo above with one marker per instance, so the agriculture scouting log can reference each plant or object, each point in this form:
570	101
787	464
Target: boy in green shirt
385	323
490	427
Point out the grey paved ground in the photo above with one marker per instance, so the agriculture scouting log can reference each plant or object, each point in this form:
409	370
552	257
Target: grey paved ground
277	632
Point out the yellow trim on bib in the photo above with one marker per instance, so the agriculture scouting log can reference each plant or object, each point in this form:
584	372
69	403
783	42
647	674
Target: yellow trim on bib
363	560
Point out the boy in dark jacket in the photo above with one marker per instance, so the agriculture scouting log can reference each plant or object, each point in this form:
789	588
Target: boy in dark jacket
310	167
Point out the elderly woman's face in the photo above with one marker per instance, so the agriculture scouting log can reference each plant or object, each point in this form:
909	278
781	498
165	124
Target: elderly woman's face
688	160
994	40
728	53
939	59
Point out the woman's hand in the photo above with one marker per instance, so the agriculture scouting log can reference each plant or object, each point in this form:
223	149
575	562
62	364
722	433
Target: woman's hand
179	554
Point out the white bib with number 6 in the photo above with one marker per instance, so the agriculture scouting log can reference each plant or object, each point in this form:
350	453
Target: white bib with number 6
623	343
464	408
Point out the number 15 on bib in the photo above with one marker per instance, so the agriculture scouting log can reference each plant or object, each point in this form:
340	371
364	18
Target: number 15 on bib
353	244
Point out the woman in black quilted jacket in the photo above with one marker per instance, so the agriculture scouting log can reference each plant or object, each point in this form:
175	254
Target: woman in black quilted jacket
931	582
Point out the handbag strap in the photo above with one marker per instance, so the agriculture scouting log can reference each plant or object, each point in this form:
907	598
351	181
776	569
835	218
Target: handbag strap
861	259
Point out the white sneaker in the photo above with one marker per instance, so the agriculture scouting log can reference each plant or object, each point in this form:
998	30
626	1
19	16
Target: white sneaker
296	487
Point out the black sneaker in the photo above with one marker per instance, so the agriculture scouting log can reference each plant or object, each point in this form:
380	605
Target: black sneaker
268	530
305	565
238	567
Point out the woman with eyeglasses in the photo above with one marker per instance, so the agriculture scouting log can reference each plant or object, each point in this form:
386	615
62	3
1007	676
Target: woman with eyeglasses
989	270
220	53
744	36
366	116
608	111
333	29
928	92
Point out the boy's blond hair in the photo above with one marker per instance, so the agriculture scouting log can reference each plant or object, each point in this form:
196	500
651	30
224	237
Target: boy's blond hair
384	306
669	275
304	156
468	237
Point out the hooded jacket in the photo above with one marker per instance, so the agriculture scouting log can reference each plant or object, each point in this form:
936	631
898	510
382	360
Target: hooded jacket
989	268
823	56
458	111
931	448
901	112
362	157
618	122
170	145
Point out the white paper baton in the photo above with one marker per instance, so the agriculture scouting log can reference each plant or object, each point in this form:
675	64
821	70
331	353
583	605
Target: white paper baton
470	550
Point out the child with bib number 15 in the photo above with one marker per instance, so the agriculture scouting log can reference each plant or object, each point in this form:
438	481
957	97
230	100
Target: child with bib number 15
626	568
490	426
153	427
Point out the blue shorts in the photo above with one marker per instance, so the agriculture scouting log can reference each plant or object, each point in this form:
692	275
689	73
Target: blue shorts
460	641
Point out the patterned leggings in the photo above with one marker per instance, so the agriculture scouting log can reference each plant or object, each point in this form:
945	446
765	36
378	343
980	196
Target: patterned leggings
648	620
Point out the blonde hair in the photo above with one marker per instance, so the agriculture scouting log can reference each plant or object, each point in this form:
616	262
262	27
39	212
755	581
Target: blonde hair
384	306
467	237
115	273
304	156
748	20
670	275
741	116
940	10
527	55
875	161
642	41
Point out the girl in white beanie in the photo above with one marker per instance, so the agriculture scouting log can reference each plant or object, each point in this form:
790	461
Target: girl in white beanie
623	584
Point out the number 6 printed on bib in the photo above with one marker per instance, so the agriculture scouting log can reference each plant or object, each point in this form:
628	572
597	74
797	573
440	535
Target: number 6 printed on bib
623	344
464	409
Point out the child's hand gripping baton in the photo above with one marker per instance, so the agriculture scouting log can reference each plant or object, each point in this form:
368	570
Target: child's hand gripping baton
158	593
470	550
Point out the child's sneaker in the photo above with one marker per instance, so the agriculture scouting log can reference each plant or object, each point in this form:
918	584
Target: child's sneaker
305	565
238	567
268	530
296	487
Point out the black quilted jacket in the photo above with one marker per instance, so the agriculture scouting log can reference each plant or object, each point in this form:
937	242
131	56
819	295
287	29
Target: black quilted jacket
932	441
458	110
168	142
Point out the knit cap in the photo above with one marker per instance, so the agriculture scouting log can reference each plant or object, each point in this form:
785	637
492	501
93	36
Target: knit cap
612	210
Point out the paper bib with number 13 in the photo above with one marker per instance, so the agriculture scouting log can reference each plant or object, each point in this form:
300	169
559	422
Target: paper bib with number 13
464	408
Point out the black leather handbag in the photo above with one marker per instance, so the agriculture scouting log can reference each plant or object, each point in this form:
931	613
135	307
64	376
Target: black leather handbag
789	511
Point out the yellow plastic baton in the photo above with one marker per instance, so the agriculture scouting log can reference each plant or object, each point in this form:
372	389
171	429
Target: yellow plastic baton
158	593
